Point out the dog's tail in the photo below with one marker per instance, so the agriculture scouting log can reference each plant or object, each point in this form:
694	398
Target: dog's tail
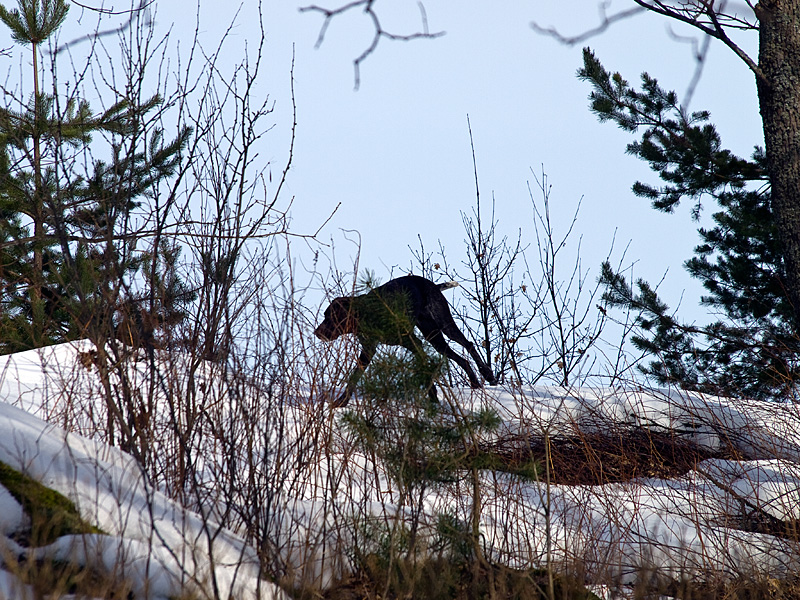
447	285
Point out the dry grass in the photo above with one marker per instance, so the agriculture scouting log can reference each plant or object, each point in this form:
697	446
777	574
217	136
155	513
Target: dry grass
601	458
440	579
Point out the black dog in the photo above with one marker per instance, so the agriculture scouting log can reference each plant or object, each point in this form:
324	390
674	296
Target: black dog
388	315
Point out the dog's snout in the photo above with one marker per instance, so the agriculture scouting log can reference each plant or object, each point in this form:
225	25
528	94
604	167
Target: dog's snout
322	333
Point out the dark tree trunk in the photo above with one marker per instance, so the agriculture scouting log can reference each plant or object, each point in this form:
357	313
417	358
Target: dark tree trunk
779	99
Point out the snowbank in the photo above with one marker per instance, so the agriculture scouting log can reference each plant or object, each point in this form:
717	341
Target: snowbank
725	515
149	540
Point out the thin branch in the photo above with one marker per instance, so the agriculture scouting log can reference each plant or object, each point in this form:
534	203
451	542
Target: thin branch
605	22
700	55
714	26
712	21
111	11
143	4
379	31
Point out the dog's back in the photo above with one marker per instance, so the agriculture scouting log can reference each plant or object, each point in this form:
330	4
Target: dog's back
391	311
415	289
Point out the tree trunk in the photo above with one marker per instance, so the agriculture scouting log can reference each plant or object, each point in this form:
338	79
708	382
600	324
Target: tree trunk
779	99
37	304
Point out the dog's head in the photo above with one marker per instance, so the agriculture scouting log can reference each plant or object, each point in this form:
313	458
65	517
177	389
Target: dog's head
338	320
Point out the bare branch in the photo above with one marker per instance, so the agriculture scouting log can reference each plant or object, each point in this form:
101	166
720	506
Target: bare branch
712	18
143	4
712	21
379	31
700	54
605	22
111	11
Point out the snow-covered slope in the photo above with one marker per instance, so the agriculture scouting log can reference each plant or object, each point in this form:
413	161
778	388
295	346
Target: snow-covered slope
724	515
162	550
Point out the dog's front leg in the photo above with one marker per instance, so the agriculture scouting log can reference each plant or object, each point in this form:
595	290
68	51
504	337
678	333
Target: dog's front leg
367	352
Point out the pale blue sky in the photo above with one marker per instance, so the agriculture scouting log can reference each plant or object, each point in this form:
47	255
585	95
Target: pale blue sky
395	154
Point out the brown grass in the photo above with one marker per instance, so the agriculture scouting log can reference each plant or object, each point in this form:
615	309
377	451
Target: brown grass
601	458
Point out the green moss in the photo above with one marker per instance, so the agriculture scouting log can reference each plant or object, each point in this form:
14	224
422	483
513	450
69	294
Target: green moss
51	514
526	467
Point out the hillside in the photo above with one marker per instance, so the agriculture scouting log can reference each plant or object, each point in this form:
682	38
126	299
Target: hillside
629	483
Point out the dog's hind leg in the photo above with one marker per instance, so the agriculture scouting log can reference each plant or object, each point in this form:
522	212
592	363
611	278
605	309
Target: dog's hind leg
438	321
440	344
452	331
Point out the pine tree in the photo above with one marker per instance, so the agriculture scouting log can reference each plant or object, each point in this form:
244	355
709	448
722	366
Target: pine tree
753	348
422	445
65	258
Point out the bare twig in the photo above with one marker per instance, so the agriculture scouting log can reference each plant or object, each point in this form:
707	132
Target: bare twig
143	4
713	19
606	21
379	32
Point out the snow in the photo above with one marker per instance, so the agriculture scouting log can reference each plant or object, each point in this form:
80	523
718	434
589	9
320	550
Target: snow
689	525
12	517
148	538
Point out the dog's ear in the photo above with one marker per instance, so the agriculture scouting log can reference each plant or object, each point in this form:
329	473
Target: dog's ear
341	303
341	312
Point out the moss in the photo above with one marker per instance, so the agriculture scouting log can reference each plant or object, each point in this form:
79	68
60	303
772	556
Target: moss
56	579
51	514
519	464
